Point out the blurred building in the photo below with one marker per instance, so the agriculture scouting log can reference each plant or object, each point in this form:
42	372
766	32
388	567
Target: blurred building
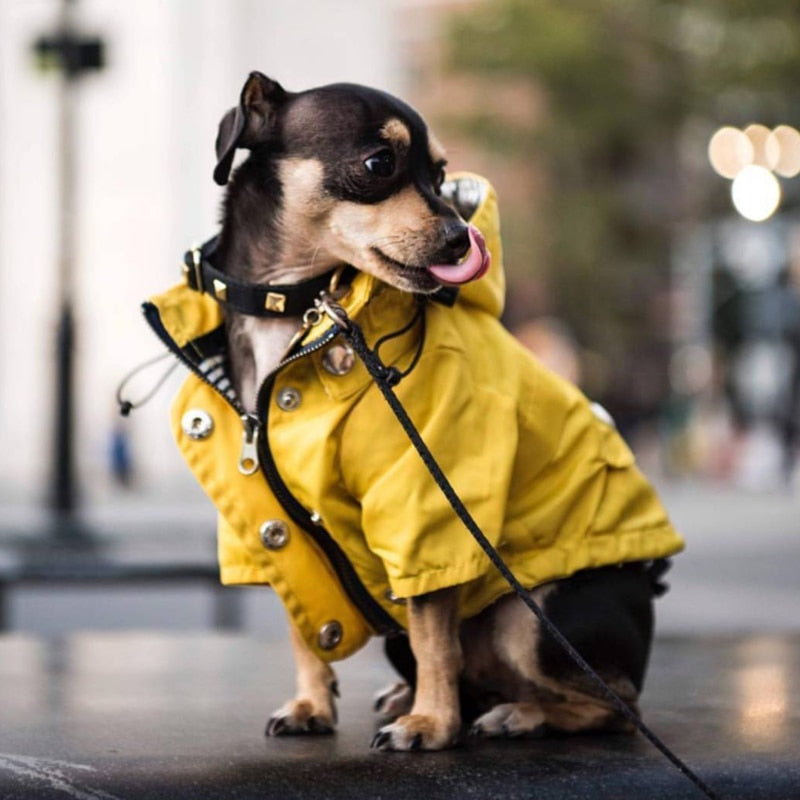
146	128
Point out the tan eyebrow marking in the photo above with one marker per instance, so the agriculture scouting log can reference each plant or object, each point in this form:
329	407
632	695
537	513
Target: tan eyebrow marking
397	131
435	148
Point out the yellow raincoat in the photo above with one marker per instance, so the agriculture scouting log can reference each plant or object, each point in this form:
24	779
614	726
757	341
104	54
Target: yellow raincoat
342	518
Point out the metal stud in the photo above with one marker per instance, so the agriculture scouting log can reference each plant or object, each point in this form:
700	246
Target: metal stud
330	634
197	424
220	290
275	302
339	359
274	534
288	399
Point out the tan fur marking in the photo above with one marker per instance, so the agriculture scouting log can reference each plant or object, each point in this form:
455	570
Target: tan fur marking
402	227
395	130
435	148
303	194
584	715
303	211
515	634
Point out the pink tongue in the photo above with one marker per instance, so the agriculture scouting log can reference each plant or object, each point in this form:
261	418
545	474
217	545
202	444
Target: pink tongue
471	268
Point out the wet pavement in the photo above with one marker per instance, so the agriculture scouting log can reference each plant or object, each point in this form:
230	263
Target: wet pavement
145	716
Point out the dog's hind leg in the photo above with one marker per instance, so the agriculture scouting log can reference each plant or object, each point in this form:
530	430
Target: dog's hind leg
398	698
607	616
313	708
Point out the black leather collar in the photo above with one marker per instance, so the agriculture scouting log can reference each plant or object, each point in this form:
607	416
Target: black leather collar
270	300
253	299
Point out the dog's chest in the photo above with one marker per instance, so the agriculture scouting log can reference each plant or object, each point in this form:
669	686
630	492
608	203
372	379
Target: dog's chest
256	347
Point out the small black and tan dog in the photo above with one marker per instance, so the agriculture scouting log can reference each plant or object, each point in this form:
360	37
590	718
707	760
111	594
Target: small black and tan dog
345	174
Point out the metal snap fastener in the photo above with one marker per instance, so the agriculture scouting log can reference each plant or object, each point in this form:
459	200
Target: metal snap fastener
197	424
274	534
330	634
393	598
288	399
339	359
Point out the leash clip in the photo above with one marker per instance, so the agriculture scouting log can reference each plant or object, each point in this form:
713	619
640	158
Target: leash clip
335	312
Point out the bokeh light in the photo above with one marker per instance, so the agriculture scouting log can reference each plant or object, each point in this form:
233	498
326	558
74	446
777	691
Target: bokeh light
756	193
783	151
758	135
730	151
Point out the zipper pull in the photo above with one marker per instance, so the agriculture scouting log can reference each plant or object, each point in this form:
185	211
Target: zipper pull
248	458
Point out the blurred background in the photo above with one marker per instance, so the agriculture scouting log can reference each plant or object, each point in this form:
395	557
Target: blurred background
646	157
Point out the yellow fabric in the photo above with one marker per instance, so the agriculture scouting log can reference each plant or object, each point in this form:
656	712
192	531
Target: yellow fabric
553	487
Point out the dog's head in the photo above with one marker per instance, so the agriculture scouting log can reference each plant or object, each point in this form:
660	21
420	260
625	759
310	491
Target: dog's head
349	175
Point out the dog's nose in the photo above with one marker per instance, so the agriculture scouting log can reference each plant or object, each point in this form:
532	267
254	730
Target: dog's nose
456	235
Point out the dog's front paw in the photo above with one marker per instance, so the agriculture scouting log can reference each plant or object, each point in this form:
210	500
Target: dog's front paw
509	720
416	732
393	701
302	716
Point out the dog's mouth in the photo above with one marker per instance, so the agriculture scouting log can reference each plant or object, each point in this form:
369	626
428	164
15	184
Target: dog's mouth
472	266
408	276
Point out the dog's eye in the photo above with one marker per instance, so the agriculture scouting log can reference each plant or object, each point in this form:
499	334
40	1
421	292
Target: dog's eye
381	164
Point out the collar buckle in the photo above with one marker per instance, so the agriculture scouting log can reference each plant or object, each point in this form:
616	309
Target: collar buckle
197	264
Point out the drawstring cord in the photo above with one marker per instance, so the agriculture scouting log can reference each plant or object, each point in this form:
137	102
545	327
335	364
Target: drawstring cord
126	406
387	377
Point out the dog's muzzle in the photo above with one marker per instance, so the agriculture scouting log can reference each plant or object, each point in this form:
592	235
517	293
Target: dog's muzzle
473	266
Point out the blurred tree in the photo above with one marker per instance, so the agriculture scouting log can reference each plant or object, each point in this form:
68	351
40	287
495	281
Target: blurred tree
632	91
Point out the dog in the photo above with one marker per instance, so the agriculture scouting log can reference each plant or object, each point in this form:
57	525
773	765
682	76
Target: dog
349	175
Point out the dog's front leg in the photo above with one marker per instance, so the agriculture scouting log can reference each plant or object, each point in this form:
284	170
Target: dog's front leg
435	718
313	709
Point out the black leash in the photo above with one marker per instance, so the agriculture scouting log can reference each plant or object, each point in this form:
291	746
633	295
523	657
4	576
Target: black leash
388	377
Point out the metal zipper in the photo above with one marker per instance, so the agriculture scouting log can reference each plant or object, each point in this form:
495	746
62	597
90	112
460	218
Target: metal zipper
255	453
248	456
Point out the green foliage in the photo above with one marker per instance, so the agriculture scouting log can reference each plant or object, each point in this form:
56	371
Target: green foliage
622	78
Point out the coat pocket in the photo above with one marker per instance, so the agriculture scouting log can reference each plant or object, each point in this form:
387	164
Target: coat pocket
626	499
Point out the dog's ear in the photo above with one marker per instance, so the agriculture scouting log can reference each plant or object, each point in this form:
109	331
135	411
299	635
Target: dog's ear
250	123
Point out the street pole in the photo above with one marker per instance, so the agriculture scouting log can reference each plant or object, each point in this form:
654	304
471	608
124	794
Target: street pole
63	500
70	55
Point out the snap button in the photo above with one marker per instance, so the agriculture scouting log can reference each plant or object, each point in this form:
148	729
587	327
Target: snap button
393	598
197	424
330	634
602	414
288	399
339	359
274	534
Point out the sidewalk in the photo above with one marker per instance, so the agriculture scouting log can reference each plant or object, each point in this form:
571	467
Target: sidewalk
739	572
153	716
